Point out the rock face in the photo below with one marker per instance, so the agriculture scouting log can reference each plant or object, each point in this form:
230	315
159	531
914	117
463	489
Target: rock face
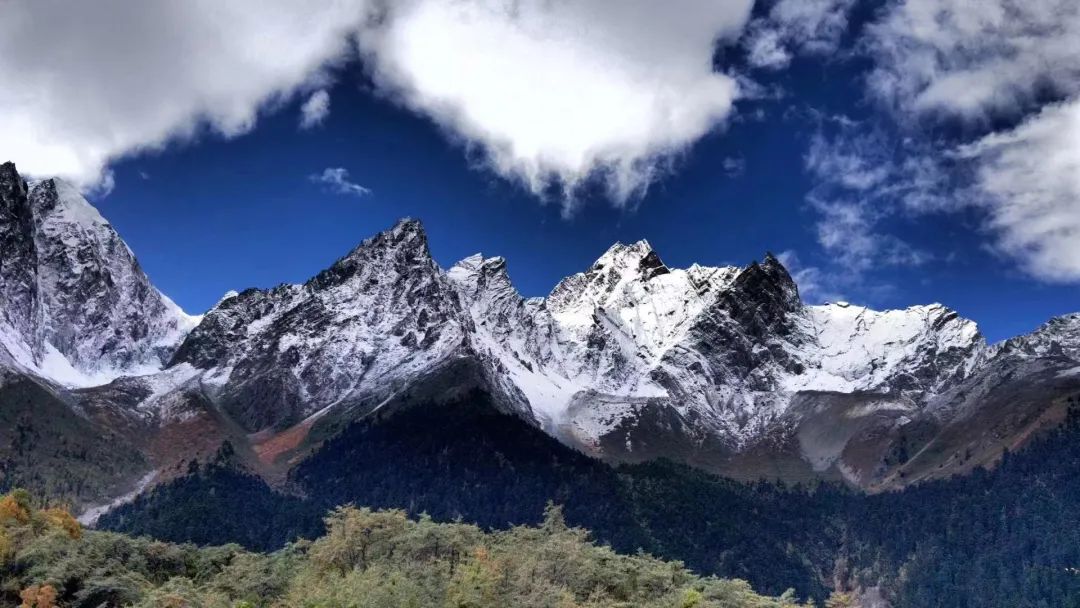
77	308
721	367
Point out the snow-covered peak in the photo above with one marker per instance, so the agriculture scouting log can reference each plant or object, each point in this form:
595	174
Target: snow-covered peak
377	320
475	273
79	309
620	266
914	349
624	257
58	201
1059	337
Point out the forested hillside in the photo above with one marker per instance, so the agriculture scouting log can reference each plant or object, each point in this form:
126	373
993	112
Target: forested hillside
366	559
1002	538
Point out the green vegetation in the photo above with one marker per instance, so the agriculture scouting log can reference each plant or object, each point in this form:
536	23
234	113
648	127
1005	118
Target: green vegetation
46	446
366	559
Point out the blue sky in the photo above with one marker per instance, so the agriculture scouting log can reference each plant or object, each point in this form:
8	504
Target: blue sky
797	165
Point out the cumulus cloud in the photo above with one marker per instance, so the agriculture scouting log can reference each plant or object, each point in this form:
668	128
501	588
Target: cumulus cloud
86	83
1030	177
336	180
315	109
792	26
975	60
557	94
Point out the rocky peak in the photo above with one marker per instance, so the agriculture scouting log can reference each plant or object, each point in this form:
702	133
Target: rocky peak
620	266
761	297
11	183
57	200
623	256
401	248
355	334
1059	337
18	260
86	312
485	287
476	273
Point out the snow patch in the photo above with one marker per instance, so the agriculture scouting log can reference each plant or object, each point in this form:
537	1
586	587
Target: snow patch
90	516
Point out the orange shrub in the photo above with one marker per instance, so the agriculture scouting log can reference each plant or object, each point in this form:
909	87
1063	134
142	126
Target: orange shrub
61	518
11	510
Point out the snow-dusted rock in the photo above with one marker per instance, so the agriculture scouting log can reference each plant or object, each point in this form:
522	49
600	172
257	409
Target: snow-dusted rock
629	359
379	318
725	349
77	308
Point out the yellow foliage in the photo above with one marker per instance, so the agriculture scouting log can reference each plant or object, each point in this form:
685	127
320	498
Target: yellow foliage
692	598
62	519
11	510
840	600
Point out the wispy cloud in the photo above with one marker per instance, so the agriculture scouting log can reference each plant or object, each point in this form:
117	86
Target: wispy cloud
793	26
336	180
860	186
974	60
734	166
989	67
815	285
315	109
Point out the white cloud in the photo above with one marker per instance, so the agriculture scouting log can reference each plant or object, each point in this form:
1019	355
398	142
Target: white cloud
556	93
336	180
1031	179
103	186
975	59
315	109
807	26
88	82
977	65
856	162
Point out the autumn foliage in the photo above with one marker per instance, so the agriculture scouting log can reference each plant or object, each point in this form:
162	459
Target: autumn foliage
38	596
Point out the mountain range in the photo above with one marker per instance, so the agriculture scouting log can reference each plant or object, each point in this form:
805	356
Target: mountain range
108	387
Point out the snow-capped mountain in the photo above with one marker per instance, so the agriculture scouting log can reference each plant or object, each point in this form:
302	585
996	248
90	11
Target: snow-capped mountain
77	308
721	367
724	349
628	360
380	318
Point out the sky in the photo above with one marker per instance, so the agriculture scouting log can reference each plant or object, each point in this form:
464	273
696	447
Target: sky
891	152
